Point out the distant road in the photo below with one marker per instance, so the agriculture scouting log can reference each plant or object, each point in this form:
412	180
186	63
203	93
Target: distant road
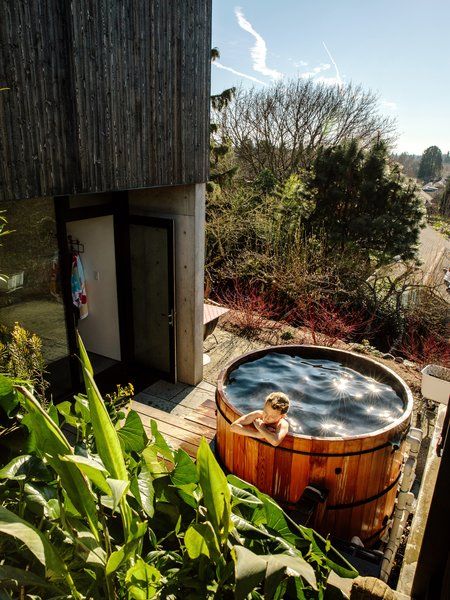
432	243
434	252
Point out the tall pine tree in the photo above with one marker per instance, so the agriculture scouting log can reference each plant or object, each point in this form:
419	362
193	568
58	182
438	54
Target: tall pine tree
221	169
430	168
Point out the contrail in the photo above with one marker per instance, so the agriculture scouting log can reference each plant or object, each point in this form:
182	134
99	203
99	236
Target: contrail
259	50
220	66
338	75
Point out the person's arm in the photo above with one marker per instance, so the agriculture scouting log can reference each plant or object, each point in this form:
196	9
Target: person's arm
273	437
245	425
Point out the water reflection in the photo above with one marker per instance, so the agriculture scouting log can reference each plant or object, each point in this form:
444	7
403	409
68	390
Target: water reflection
327	398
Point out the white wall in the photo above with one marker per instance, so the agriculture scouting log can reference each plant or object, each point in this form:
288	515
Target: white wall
100	329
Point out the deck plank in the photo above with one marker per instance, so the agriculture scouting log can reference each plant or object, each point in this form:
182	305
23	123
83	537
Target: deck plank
207	430
183	430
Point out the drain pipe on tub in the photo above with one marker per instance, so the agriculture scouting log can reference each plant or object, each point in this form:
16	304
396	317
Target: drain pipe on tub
404	505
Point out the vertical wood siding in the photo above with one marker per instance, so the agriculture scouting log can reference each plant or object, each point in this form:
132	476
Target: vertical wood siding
103	95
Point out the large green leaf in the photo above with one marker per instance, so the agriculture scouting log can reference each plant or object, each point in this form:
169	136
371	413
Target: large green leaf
240	496
156	466
268	513
250	570
118	489
43	496
25	467
35	541
334	560
185	471
65	409
132	434
93	468
216	492
142	489
253	570
160	444
200	539
20	577
282	566
142	581
106	438
251	532
8	396
51	443
128	550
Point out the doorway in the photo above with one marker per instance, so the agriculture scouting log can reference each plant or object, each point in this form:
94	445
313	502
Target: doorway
128	264
92	245
153	294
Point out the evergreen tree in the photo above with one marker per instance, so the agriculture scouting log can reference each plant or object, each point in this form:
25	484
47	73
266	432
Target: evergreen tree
430	167
444	204
363	200
220	146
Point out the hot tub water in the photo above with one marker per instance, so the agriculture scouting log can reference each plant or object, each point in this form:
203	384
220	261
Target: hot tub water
327	398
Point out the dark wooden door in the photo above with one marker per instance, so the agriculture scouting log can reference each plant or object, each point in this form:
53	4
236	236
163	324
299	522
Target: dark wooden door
153	293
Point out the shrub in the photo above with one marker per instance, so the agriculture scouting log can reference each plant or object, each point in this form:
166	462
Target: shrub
121	516
254	309
326	322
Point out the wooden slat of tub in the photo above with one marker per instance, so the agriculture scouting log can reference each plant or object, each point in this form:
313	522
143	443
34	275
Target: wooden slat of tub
229	437
239	455
263	468
383	458
300	469
333	480
282	468
360	515
251	455
342	518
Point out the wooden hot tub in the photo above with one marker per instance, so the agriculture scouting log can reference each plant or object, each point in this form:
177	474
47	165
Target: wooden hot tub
361	472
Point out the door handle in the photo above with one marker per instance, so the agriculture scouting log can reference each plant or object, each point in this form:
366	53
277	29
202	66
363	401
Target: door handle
170	318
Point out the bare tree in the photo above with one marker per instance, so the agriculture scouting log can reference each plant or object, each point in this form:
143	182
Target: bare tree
280	127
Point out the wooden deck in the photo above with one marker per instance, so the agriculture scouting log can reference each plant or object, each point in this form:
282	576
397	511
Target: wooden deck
182	430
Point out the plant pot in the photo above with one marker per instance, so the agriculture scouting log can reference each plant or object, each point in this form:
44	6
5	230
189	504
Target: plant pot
436	383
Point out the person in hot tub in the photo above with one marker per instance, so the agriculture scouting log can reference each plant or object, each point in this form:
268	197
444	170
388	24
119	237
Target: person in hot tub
268	424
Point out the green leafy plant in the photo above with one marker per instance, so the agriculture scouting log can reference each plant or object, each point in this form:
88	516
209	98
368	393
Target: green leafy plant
122	515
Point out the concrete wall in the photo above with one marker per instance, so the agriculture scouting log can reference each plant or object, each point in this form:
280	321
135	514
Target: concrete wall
186	206
100	329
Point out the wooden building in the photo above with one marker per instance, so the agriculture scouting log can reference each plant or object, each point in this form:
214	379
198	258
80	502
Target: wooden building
104	153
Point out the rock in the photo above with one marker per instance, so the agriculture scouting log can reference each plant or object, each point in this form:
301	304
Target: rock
409	363
398	360
388	356
370	588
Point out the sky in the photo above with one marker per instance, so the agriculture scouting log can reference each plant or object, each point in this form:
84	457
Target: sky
399	49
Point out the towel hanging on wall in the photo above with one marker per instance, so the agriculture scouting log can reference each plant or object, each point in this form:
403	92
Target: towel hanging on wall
78	284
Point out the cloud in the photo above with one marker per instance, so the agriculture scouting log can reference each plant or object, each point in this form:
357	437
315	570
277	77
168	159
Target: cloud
315	71
298	63
389	105
220	66
259	50
338	78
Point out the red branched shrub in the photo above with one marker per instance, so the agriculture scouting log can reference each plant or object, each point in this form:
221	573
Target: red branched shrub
253	309
326	322
423	346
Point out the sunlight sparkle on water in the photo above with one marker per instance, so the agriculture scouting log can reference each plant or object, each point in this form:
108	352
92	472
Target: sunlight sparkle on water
373	388
341	384
327	426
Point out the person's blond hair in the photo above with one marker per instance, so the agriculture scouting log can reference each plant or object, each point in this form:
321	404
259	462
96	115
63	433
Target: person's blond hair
278	401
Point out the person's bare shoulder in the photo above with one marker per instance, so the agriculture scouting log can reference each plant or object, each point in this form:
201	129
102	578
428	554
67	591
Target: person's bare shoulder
255	414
